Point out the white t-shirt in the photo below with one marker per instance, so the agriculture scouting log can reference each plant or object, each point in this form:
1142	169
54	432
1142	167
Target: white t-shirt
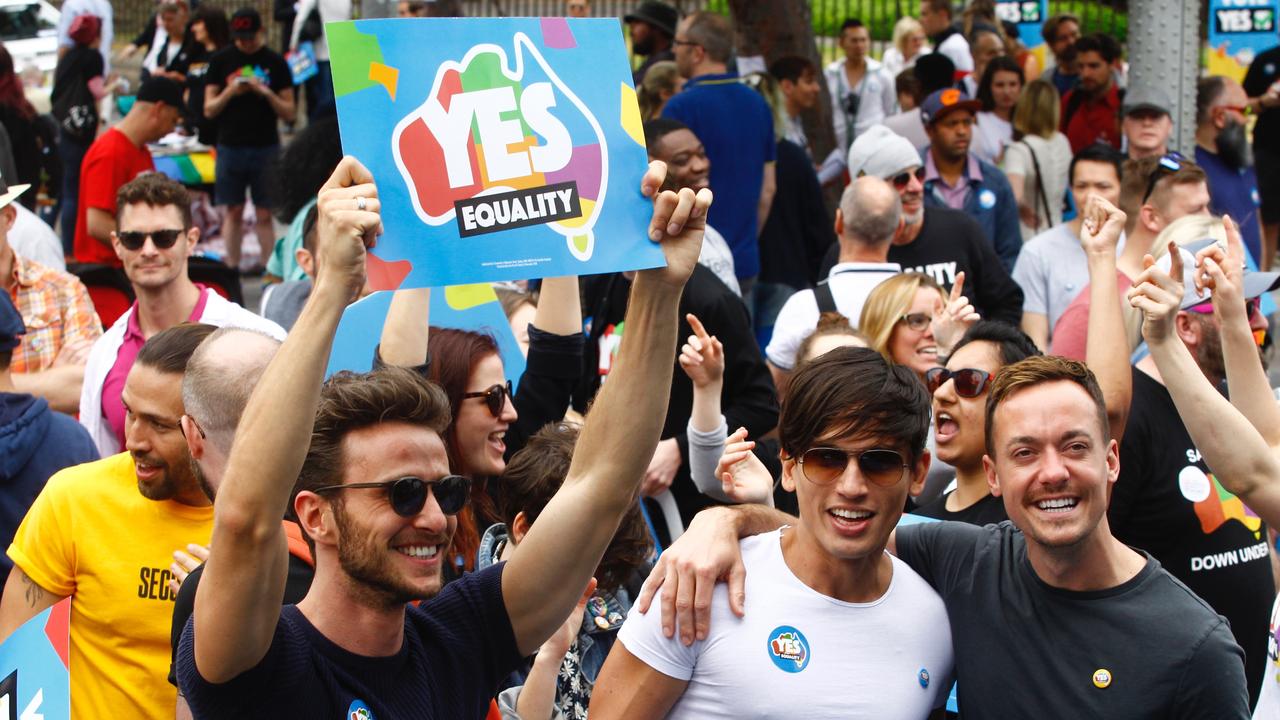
992	134
1269	699
850	284
798	653
1054	158
956	48
1052	269
718	258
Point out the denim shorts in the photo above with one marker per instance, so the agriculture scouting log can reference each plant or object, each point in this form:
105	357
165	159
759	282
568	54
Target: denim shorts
241	168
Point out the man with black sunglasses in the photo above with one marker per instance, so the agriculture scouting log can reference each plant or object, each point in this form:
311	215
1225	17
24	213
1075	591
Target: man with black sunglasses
823	627
153	239
376	498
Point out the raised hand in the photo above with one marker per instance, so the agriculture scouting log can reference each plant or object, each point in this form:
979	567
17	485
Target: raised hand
348	223
1159	296
743	478
702	356
1220	271
1102	226
950	324
678	222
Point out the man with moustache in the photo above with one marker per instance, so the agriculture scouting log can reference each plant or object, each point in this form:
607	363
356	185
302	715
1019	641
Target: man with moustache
1091	112
1222	151
653	30
104	533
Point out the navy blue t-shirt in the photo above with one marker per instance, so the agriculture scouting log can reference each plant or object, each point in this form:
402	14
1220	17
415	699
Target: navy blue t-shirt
1235	193
735	126
457	648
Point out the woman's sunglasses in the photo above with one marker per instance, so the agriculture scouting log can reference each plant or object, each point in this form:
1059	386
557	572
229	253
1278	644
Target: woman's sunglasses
495	397
879	466
408	495
969	382
163	239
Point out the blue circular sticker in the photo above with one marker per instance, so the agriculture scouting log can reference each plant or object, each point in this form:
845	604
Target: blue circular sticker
788	649
359	711
987	199
923	677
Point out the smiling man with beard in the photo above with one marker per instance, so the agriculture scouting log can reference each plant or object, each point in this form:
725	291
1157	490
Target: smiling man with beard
104	533
1222	149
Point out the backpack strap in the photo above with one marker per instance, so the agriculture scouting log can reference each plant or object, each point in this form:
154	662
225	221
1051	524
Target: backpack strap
822	294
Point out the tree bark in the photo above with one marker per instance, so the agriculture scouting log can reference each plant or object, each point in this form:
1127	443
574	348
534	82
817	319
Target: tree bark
775	29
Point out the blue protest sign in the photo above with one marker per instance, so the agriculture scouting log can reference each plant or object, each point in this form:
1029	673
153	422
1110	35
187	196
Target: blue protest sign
302	62
1029	16
34	682
1238	31
503	148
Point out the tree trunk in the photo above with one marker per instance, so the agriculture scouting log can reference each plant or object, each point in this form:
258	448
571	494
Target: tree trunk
777	28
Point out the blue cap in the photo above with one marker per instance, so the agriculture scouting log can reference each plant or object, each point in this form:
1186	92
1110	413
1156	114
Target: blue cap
942	102
11	326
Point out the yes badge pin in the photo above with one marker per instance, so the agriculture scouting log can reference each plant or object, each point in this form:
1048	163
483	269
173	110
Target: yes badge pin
1102	678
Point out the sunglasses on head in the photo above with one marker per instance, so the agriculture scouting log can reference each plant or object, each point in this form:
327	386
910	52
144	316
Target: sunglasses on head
162	239
1169	164
408	495
878	466
969	382
916	321
495	397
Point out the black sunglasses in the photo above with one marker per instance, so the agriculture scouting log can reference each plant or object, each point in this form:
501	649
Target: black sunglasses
903	179
409	494
495	397
163	239
1169	164
879	466
969	382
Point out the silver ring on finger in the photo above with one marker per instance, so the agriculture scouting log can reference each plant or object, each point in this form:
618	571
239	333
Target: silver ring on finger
360	203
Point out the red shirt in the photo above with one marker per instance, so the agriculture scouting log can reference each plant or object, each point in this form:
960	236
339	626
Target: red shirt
112	161
1095	120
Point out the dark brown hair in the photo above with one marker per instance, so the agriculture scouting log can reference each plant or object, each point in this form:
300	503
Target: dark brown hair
829	323
1038	370
352	401
850	391
533	477
169	350
155	190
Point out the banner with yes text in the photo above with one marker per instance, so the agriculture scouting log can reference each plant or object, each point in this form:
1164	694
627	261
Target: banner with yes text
502	148
34	682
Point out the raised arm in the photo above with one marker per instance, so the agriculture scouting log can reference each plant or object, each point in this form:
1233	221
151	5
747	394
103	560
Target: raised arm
404	334
554	363
702	359
238	603
1241	460
1106	349
553	563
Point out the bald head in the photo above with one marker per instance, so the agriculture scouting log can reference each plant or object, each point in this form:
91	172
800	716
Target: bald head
220	377
872	212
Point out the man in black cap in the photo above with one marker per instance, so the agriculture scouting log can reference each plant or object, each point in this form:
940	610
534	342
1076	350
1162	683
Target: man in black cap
653	27
119	155
248	88
35	442
1146	122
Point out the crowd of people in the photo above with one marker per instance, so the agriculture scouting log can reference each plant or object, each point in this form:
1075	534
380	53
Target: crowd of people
996	424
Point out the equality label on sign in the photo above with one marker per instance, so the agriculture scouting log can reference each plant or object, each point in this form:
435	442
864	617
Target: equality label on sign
502	148
33	667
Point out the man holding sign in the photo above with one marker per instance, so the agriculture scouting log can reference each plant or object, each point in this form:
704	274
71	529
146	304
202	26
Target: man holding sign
376	499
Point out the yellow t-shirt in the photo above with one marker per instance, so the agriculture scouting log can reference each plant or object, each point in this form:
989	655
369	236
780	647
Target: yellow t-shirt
91	535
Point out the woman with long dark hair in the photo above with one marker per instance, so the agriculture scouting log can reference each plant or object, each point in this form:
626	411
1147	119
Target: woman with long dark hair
998	91
19	120
209	32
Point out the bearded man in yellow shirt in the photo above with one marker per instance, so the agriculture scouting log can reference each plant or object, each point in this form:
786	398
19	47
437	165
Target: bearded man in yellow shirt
104	533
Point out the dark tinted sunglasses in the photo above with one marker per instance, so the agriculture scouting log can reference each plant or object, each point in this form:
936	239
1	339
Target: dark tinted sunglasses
163	239
903	179
969	382
1168	165
495	397
408	495
878	466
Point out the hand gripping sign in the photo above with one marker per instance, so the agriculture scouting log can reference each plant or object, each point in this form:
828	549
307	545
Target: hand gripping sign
502	148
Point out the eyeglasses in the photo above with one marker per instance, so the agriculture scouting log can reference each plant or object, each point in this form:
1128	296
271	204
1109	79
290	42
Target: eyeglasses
969	382
678	41
495	397
916	321
1251	306
408	495
903	179
1169	164
163	239
879	466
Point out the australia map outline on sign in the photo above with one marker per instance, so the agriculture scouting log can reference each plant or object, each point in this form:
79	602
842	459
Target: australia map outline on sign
513	134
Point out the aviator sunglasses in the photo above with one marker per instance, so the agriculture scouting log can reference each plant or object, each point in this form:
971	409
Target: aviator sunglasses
163	239
879	466
969	382
408	495
495	397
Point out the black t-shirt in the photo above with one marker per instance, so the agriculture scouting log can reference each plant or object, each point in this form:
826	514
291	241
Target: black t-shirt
80	65
457	648
987	511
951	242
296	585
1147	648
798	231
248	120
1263	72
195	65
1169	504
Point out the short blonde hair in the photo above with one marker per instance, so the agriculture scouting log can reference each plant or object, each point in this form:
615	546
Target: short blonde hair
886	305
905	26
1037	110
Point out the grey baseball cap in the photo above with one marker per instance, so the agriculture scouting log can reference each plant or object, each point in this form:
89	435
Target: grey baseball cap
1147	97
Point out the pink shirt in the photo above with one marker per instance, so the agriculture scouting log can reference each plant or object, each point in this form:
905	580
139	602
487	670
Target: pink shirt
1072	331
112	407
953	196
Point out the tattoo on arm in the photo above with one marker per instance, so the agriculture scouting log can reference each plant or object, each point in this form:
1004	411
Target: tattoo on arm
33	593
